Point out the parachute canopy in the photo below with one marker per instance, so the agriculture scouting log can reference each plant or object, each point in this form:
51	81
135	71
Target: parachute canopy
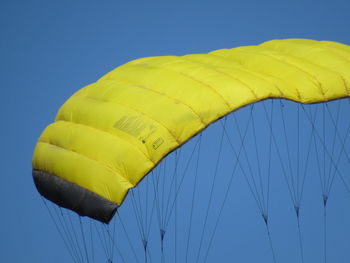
111	133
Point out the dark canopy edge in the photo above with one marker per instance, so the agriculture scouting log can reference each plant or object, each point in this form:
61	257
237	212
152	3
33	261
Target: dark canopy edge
72	196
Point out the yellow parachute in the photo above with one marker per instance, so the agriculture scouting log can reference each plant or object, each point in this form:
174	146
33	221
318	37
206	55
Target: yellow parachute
110	134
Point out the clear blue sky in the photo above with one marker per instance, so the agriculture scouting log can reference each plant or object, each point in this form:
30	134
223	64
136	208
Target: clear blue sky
50	49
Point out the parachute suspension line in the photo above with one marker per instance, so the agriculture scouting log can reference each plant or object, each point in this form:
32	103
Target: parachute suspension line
108	238
149	217
327	152
127	237
72	230
62	232
173	184
140	222
67	233
84	241
301	247
237	163
270	241
145	248
298	153
137	216
301	190
318	162
322	173
337	133
279	155
114	237
338	160
296	194
139	208
288	153
148	227
335	124
325	197
300	186
63	229
325	231
91	243
322	177
163	199
269	162
159	217
162	202
264	205
181	181
193	195
256	192
298	175
155	189
144	223
146	217
300	195
325	194
223	123
294	186
175	210
300	178
328	185
111	238
103	241
324	154
159	206
343	144
176	161
265	215
253	189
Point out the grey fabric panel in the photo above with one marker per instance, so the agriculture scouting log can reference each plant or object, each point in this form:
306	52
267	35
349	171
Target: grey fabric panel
74	197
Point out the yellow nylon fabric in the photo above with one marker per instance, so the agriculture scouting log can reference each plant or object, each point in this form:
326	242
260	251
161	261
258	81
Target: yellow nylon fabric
110	134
